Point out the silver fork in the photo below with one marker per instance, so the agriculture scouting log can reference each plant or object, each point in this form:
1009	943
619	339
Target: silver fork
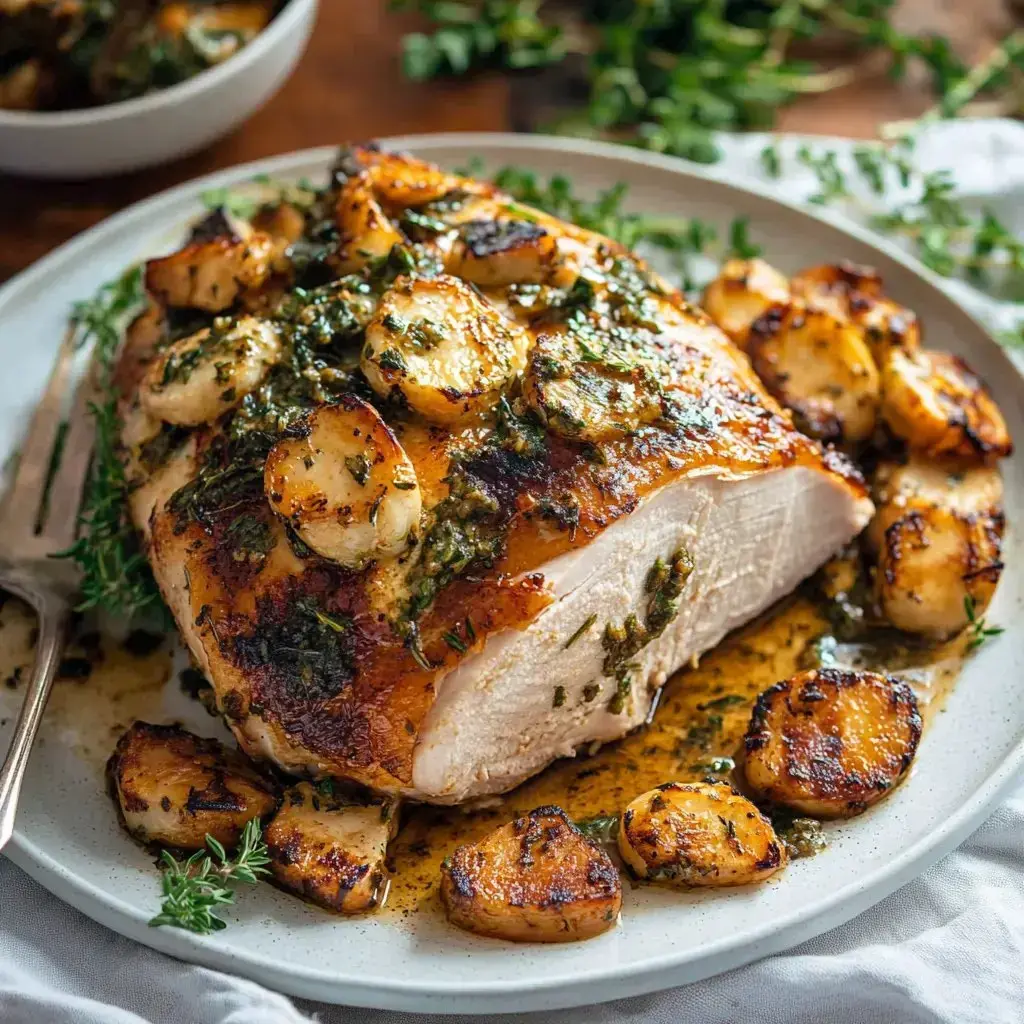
26	569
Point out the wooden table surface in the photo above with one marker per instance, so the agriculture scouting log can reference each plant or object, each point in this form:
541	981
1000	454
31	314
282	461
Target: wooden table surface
349	87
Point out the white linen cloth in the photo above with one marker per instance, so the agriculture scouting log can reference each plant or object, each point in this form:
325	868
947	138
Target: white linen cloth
948	947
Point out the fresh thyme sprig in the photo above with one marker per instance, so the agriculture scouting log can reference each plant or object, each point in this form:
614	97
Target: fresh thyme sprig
115	574
941	229
978	631
195	888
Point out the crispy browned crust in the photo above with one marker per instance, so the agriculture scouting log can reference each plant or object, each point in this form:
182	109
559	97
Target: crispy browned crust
857	291
831	742
668	843
367	729
536	879
311	858
199	785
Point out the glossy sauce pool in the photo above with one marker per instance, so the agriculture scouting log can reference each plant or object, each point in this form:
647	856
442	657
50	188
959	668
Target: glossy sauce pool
696	731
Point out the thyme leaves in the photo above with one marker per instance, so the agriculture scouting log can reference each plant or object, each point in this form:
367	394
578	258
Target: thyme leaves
978	630
194	889
116	577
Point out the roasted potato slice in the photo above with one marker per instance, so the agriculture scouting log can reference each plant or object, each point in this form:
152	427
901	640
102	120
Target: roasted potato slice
200	377
283	221
174	788
330	850
698	834
345	484
829	743
819	367
401	181
744	291
211	274
587	395
536	879
937	535
441	346
498	253
143	338
934	402
367	233
852	292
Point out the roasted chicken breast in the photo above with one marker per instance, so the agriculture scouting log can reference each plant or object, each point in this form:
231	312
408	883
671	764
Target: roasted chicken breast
468	453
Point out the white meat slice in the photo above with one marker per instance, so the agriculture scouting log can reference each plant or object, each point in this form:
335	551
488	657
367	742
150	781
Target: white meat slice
752	541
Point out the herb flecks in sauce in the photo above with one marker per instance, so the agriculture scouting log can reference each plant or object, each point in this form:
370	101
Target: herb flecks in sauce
601	785
802	837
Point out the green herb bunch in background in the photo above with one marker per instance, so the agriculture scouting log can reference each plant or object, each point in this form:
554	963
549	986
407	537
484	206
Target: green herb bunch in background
667	74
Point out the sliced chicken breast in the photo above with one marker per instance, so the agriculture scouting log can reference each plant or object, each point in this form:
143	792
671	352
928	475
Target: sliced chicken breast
751	542
602	510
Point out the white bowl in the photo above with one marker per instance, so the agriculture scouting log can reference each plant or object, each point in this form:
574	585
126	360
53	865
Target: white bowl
159	126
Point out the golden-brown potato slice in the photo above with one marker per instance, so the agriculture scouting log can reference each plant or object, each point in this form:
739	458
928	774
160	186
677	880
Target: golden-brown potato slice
830	742
937	535
586	398
536	879
367	233
400	181
174	788
442	347
698	834
498	253
855	293
213	273
330	850
934	402
346	484
283	222
200	377
820	367
144	336
743	291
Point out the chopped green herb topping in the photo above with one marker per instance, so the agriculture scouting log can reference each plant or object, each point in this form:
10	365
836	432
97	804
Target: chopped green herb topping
579	632
359	467
664	584
802	837
600	829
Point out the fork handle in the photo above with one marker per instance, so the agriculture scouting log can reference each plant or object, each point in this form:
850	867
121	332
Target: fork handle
52	609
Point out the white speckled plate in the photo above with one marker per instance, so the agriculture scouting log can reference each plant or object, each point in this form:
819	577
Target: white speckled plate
68	837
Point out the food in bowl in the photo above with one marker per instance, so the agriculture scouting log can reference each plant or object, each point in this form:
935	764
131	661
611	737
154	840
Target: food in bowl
441	490
67	54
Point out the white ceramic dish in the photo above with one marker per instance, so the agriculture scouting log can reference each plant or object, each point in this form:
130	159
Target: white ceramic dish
162	125
67	834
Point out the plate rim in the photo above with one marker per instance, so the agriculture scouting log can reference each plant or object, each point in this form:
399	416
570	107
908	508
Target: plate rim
550	992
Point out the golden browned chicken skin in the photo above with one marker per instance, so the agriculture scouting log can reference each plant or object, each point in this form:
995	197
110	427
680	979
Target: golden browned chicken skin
328	583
